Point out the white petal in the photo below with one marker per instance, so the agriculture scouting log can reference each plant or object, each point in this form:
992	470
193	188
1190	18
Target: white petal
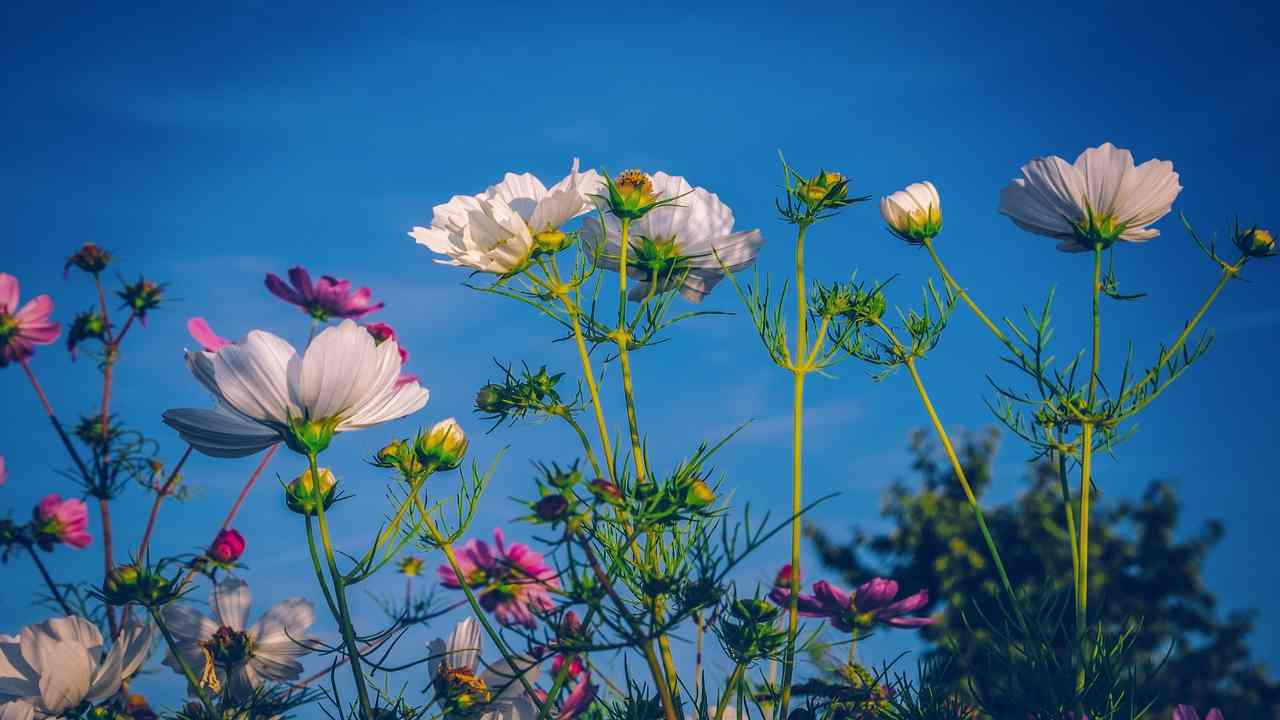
242	681
1104	169
64	664
1147	195
341	369
17	677
521	192
17	709
465	642
405	400
230	601
505	679
188	625
253	376
220	432
129	652
282	630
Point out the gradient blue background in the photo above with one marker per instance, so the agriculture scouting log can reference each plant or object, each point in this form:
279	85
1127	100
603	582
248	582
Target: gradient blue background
208	147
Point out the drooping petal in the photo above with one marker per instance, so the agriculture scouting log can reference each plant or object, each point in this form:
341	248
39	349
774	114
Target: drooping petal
282	630
220	432
874	594
188	625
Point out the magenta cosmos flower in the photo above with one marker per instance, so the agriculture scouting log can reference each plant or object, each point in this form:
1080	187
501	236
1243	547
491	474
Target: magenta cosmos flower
209	340
61	521
512	582
327	298
1186	712
23	327
872	603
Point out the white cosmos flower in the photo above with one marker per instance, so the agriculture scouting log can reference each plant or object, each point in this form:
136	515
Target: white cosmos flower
681	245
460	684
914	213
1103	197
54	666
499	229
344	381
221	651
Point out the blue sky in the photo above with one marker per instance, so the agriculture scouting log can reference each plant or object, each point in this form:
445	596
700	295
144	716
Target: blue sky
206	148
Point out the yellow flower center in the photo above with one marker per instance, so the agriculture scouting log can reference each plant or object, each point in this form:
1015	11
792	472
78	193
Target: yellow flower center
634	187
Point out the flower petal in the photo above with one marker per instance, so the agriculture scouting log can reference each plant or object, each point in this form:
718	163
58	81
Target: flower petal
230	601
220	432
253	377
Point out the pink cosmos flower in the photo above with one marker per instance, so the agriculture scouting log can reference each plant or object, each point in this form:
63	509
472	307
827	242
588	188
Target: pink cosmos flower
203	334
325	299
227	547
1186	712
583	694
383	332
512	583
4	474
22	328
61	521
870	604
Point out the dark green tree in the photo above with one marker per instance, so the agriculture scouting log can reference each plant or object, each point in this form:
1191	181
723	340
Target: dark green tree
1138	568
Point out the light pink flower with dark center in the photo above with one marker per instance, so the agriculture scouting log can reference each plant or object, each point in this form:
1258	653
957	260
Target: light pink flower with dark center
327	298
23	327
1186	712
61	521
512	582
872	603
203	334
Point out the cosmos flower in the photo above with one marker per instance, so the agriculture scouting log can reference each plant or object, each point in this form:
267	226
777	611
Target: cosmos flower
1186	712
498	230
227	547
327	298
223	653
59	521
267	392
872	603
676	246
579	699
913	214
462	688
200	331
23	327
51	668
512	583
1100	199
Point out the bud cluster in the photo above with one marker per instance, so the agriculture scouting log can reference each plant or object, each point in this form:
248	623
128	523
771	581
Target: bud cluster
87	325
519	395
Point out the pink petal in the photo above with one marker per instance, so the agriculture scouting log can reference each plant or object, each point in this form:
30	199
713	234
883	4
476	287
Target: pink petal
908	604
282	291
301	280
8	292
203	334
874	593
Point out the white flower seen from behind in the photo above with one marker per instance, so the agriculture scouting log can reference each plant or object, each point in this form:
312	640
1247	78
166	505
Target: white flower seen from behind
461	686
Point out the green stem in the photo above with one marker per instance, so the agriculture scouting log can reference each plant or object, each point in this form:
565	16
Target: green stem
963	295
798	370
622	339
343	616
319	568
730	687
582	437
48	580
192	680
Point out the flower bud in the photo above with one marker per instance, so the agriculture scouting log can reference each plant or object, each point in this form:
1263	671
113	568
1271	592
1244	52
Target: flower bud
605	491
134	584
489	399
631	195
89	258
410	566
699	493
552	241
310	437
551	508
868	307
826	189
227	547
87	325
443	447
783	578
1256	242
303	495
141	297
913	214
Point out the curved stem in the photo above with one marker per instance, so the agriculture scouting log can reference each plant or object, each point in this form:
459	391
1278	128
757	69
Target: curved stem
161	493
244	492
192	680
964	295
48	580
588	376
586	442
319	568
340	594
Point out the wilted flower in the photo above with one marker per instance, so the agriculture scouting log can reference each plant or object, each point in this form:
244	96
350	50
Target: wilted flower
225	654
870	604
304	496
410	566
499	230
1186	712
227	547
327	298
513	581
465	692
685	245
141	297
22	328
443	446
913	214
1098	200
268	393
61	521
89	258
200	331
51	668
87	325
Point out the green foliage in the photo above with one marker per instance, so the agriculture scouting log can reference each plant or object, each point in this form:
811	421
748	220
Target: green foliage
1142	564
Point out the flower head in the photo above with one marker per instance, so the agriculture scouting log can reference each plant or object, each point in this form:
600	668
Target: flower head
913	214
1186	712
827	189
327	298
872	603
227	654
89	258
200	331
141	297
87	325
513	580
304	495
22	327
685	245
410	566
1100	199
268	393
227	547
465	691
59	521
52	668
499	230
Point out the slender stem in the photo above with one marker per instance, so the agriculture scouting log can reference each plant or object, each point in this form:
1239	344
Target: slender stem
48	580
319	568
588	375
344	612
582	437
730	687
192	680
104	509
798	370
623	340
964	295
1064	484
244	492
699	636
161	493
57	426
1095	356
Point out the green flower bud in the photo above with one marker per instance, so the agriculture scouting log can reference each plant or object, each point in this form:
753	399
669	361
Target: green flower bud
605	491
303	495
699	494
310	437
443	447
552	241
826	189
134	584
1256	242
489	399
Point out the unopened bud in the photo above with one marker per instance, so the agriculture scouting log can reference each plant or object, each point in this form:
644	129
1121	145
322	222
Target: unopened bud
304	495
605	491
443	447
551	508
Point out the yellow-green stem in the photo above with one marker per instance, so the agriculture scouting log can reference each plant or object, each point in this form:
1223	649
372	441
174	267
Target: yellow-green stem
588	375
622	338
730	687
340	595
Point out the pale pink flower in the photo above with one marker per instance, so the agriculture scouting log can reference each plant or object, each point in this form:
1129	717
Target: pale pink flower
327	298
203	334
23	327
61	521
513	581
